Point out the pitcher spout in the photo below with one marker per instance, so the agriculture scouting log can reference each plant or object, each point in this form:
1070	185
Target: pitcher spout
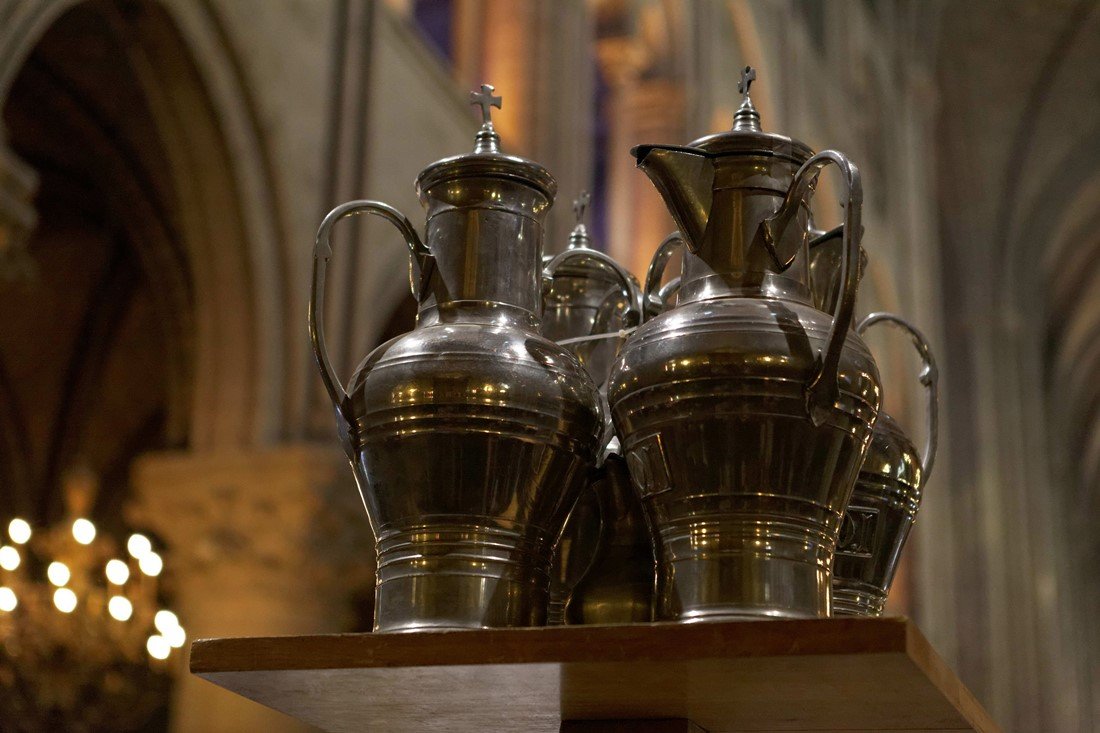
685	178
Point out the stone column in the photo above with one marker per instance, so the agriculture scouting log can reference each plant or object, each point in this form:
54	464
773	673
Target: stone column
257	543
539	56
643	110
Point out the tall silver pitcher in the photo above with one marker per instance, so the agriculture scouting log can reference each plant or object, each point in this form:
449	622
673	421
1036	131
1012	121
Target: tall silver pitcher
890	485
745	412
886	498
471	435
604	567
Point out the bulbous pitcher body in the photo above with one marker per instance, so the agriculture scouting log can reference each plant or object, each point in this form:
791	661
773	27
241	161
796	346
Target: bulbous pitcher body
618	587
877	522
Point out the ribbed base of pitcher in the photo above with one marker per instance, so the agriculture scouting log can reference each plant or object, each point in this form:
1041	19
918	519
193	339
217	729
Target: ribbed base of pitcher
555	612
473	577
731	567
857	599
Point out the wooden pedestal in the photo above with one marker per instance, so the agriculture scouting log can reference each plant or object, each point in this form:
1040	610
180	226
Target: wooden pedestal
747	676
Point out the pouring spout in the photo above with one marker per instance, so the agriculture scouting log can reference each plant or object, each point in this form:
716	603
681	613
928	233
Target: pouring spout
685	178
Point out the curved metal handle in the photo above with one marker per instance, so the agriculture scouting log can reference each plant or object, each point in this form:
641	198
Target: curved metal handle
605	312
653	293
818	237
667	290
823	390
322	251
929	377
630	289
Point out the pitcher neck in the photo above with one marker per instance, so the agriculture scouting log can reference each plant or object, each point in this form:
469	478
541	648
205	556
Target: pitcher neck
486	313
731	260
485	236
707	279
767	285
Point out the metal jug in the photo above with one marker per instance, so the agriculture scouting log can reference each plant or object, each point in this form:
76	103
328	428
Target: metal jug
886	498
745	412
472	435
604	567
618	586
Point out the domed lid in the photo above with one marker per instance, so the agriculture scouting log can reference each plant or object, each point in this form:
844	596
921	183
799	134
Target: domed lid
746	136
597	267
487	161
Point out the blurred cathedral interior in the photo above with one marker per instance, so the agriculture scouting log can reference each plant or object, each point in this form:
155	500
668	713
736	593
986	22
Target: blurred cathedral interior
164	165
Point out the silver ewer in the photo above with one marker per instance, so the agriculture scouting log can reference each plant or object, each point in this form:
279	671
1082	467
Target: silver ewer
745	412
886	498
604	567
472	435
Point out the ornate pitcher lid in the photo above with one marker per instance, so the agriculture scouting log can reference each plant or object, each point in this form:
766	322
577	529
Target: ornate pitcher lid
487	160
746	136
581	242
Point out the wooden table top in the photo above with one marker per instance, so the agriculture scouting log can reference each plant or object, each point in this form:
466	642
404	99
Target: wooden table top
743	676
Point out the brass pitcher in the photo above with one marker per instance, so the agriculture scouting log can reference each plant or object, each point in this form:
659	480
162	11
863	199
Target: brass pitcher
472	435
886	498
745	412
604	568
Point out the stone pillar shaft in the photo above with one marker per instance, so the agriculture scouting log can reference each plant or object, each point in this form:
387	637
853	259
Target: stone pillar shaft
258	543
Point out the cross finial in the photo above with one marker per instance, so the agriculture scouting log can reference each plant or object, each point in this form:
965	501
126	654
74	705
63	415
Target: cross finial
747	118
486	101
579	239
580	206
748	76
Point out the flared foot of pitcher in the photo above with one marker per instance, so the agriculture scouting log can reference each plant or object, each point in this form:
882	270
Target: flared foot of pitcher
857	599
446	578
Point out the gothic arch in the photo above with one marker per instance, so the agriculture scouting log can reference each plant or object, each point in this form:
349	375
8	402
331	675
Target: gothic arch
197	100
1051	291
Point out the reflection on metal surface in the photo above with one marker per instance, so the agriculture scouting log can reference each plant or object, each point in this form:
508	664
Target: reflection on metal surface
472	435
745	412
886	498
826	256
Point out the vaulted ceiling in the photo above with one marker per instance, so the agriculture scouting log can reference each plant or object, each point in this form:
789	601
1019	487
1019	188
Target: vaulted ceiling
1019	201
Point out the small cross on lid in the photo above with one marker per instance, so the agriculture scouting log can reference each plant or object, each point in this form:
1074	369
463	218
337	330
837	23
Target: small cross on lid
487	140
